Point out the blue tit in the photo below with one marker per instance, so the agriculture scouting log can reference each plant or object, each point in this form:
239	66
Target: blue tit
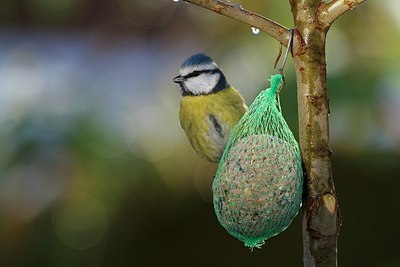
209	107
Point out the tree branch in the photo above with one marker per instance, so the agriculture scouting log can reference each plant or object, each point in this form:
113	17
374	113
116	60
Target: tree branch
235	11
329	12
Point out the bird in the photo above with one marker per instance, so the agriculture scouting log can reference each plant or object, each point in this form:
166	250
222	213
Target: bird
209	107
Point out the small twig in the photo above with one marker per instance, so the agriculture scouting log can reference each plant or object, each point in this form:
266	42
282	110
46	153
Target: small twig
288	48
329	12
278	56
235	11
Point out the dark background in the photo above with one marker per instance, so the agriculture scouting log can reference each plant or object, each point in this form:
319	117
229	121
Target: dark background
96	171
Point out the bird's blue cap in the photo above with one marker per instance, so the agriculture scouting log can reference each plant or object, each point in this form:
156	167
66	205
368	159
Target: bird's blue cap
197	59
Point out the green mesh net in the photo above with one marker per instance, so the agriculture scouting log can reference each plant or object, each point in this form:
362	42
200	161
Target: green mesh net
257	190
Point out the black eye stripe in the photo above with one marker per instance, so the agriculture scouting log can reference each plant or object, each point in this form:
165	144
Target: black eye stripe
199	72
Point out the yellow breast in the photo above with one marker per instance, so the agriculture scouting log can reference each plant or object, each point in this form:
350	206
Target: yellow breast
208	119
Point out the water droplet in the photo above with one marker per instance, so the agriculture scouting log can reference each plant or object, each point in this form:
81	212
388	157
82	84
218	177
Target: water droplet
253	29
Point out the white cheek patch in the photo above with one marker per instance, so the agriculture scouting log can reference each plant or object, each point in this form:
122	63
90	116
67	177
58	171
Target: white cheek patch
202	84
189	69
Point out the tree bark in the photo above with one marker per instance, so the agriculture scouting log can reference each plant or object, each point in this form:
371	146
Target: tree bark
321	216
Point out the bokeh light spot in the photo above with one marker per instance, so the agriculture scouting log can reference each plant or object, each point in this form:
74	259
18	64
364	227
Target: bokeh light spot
80	220
151	133
22	80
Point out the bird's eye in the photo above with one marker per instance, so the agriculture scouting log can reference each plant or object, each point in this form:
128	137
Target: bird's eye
195	73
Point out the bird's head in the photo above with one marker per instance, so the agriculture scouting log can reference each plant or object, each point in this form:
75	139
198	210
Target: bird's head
200	75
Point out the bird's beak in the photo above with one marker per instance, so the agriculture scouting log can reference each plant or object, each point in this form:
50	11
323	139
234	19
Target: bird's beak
178	79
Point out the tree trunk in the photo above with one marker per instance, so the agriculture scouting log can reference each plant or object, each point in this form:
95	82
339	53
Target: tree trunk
321	216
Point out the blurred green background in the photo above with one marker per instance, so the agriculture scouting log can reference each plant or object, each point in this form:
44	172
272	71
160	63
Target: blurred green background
96	171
